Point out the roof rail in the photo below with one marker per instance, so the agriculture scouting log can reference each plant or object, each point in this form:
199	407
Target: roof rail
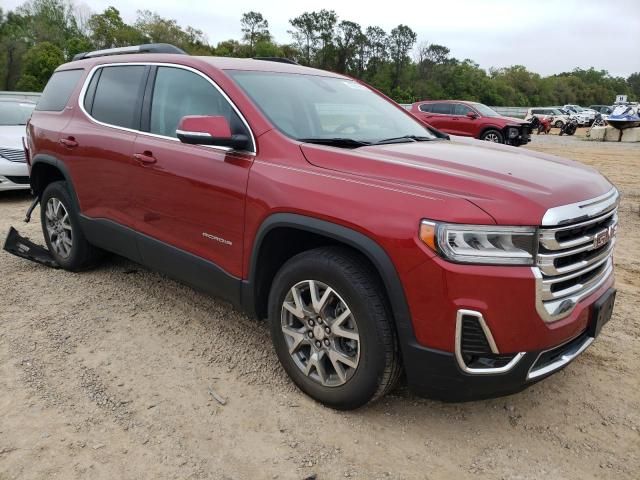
277	59
146	48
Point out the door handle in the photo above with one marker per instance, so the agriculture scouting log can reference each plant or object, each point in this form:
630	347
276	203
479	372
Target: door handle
69	142
146	157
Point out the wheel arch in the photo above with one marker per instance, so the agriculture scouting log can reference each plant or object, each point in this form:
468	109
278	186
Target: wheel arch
486	128
253	290
46	169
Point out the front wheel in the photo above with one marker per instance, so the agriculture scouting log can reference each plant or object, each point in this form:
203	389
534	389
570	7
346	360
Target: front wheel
331	328
492	136
558	124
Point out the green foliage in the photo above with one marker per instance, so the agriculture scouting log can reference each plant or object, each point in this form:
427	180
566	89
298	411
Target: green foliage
39	63
41	34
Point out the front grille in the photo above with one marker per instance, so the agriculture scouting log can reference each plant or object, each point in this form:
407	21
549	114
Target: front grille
573	260
19	180
13	154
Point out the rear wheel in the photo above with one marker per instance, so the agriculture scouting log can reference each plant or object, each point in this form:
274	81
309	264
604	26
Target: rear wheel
492	136
331	328
61	229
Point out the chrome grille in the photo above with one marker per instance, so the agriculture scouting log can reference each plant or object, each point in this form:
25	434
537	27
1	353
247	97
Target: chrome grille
13	154
575	255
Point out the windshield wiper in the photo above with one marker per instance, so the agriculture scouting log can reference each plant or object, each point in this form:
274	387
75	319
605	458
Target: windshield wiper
336	142
403	139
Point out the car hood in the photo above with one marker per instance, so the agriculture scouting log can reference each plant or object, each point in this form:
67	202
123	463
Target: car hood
11	136
514	185
510	120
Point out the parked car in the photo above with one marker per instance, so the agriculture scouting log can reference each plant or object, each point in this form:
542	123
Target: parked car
584	115
470	119
557	117
603	109
14	172
370	241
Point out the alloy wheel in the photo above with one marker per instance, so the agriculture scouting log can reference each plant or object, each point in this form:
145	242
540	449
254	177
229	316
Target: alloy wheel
58	226
321	333
492	137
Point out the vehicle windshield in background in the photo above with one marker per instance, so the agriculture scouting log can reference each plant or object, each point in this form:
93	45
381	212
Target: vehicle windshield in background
15	113
485	111
310	107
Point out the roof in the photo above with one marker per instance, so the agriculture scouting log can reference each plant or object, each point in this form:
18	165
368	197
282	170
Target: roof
221	63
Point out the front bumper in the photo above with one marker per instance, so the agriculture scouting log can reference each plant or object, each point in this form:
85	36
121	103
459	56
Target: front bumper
437	374
13	175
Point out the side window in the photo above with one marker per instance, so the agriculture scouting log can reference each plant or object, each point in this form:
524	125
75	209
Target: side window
58	90
118	96
459	109
425	107
441	108
536	111
178	93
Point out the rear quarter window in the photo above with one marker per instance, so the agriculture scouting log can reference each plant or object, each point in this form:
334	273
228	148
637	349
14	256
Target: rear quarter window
58	90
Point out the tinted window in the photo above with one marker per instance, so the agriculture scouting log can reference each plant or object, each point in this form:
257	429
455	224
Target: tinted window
58	90
536	111
178	93
425	107
459	109
118	96
442	108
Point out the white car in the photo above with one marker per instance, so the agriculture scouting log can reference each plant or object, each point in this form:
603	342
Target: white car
558	119
585	116
14	172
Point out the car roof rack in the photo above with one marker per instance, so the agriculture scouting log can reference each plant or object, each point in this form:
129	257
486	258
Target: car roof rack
277	59
146	48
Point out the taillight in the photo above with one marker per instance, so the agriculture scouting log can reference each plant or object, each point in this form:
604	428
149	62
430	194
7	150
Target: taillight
25	146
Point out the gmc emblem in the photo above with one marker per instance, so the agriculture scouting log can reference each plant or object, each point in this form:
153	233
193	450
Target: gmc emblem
601	238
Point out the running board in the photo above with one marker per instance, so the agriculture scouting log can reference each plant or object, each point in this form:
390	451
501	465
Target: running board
24	248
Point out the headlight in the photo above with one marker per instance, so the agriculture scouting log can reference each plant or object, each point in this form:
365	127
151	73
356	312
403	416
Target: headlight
513	132
481	244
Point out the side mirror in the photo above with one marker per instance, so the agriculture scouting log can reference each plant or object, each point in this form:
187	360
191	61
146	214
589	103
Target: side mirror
472	115
210	130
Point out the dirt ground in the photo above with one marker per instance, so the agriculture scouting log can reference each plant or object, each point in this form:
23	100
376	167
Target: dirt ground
107	375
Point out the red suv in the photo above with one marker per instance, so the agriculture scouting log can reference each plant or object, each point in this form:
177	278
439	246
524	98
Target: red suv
470	119
369	241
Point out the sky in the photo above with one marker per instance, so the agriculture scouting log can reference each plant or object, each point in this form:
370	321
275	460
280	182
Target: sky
546	36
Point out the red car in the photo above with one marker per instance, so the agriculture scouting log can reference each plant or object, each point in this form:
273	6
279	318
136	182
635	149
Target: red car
471	119
369	241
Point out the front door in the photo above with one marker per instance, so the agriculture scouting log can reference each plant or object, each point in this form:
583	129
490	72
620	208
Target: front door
189	197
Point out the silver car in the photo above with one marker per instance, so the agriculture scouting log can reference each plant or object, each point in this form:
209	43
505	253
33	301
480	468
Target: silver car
14	173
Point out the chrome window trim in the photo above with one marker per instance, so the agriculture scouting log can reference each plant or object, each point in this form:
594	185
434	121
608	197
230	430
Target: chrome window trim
586	209
565	359
494	349
92	72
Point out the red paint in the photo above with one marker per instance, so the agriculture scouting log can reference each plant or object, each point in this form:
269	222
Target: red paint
381	191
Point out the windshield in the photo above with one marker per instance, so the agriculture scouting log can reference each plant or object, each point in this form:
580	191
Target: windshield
557	111
307	107
15	113
485	111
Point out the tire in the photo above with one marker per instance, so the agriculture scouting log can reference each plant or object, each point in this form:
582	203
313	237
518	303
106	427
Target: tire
492	135
373	365
61	230
558	124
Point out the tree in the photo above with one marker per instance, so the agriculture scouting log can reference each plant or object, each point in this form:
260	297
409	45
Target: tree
255	29
634	85
39	63
378	46
401	41
14	42
108	30
348	34
305	35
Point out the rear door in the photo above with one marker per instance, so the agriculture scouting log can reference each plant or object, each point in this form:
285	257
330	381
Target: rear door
100	141
190	197
439	116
